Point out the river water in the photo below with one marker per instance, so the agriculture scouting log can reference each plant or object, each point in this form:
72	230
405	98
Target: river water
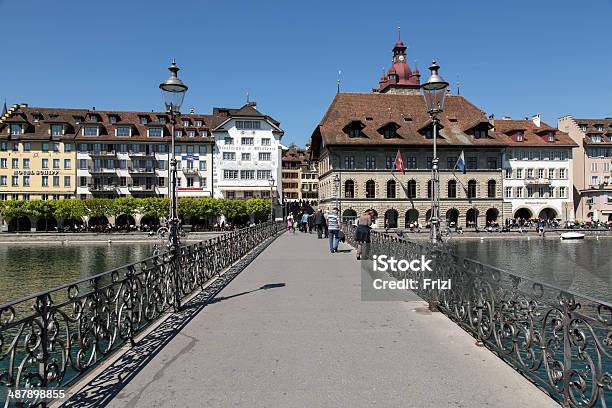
581	266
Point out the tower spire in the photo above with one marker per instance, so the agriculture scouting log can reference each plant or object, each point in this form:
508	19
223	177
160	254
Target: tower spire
4	109
399	36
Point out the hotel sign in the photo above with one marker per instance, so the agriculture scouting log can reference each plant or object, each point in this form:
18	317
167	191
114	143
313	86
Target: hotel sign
35	172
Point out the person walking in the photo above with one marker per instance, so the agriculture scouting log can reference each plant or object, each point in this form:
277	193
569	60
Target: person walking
362	233
305	221
333	228
319	219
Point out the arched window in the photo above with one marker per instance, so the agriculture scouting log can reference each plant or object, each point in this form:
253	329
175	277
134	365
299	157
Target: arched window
452	189
391	189
370	189
349	189
429	189
471	189
491	189
411	189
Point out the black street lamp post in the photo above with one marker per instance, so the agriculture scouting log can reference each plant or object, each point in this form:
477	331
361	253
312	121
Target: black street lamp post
173	92
434	91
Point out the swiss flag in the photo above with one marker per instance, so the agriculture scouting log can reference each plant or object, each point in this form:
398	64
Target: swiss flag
399	163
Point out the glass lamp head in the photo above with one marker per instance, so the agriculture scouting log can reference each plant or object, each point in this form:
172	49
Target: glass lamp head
434	90
173	90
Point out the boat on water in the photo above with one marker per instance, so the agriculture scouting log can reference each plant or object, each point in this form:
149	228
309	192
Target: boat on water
572	235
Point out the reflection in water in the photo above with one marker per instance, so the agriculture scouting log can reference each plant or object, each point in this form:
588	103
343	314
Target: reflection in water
26	269
583	266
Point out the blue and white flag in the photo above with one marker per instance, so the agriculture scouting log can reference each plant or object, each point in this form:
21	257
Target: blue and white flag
461	163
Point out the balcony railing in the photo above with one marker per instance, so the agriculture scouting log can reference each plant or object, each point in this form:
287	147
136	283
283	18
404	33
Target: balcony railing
102	187
537	180
190	171
101	170
558	339
102	153
142	170
141	154
146	187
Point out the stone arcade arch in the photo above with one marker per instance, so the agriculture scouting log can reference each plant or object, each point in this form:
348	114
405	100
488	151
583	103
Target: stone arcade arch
548	214
452	215
46	224
524	213
391	216
124	221
491	215
471	218
349	215
412	216
20	224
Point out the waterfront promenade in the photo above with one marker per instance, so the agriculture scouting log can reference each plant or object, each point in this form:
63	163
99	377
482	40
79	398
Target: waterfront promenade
291	331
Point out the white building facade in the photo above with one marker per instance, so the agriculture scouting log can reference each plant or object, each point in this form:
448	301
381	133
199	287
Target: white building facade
537	170
247	154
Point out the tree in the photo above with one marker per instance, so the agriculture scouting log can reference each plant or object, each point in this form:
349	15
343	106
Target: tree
73	209
153	207
259	208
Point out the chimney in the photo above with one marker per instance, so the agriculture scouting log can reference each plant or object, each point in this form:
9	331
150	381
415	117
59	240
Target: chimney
192	111
253	104
536	119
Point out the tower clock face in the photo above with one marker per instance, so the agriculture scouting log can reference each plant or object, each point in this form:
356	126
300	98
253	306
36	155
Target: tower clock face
401	57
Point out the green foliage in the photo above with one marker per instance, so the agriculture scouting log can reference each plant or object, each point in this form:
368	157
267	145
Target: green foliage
153	207
73	208
189	207
258	207
14	209
41	209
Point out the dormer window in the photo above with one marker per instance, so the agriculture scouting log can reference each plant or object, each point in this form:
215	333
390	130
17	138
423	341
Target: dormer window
185	123
93	118
155	131
57	130
37	117
162	120
480	133
112	119
78	119
389	131
599	127
520	136
178	133
550	136
91	130
143	119
191	133
583	127
596	138
123	131
15	129
353	129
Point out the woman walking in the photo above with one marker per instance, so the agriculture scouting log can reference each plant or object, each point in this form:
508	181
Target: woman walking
362	233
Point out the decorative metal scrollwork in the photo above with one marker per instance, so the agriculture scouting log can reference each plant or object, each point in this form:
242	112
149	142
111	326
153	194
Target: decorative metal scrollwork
561	341
50	339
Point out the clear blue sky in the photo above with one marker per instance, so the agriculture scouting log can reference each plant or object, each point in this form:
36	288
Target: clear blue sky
513	58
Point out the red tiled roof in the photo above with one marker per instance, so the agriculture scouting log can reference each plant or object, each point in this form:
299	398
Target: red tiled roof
533	136
409	112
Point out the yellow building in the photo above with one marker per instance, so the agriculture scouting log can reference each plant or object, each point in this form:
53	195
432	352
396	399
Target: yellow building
37	155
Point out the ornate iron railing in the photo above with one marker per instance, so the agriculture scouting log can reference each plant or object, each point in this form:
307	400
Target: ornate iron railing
49	339
561	341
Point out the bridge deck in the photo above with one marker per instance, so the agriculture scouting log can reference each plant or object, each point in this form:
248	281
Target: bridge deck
314	343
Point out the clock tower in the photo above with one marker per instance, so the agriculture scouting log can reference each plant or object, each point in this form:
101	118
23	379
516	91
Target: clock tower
399	78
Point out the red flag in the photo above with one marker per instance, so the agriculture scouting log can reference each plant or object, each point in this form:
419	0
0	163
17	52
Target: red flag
399	163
